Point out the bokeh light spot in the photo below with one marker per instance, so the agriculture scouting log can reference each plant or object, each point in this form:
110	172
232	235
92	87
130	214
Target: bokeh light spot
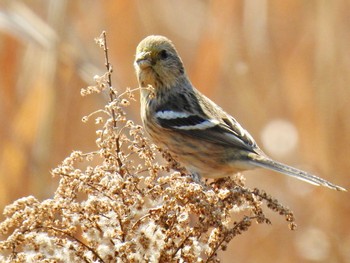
313	244
279	137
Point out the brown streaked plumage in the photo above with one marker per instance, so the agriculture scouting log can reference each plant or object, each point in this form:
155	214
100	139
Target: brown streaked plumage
198	133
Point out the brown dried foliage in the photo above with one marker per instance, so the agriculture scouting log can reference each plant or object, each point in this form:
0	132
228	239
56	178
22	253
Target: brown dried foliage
119	204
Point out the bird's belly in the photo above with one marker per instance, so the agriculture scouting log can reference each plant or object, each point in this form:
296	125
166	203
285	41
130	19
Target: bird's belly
202	157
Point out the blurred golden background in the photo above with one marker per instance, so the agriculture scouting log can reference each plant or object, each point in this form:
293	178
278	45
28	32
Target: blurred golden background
282	68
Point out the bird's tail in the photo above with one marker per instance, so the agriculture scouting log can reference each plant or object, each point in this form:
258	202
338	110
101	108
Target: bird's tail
267	163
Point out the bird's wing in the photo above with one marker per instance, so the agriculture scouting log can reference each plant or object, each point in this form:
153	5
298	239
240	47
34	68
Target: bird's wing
224	131
202	119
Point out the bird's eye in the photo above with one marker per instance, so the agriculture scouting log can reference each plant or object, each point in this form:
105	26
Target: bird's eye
163	54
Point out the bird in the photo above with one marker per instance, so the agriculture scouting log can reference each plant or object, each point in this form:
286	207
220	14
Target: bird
198	133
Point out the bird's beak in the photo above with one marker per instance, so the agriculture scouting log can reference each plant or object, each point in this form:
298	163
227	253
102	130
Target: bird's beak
143	60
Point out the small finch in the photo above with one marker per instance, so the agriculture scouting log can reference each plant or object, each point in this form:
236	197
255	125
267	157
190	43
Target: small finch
196	131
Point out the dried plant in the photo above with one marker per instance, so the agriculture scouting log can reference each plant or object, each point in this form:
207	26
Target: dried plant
119	204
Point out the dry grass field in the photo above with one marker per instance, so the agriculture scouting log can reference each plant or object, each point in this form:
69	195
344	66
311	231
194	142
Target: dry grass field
282	68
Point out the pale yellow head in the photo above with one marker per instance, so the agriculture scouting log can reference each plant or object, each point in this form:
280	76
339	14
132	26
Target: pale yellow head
157	63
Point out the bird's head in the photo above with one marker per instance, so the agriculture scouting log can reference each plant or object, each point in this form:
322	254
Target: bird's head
157	63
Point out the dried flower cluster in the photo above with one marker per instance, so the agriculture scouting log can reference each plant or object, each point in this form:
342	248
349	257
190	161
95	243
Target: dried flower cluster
118	204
